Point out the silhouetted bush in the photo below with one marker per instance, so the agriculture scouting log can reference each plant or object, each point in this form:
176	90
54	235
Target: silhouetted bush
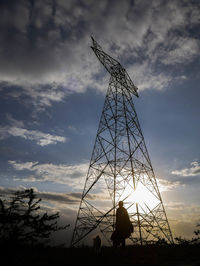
23	222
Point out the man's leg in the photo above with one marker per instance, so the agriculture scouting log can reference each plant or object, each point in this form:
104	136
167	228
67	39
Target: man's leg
114	243
123	242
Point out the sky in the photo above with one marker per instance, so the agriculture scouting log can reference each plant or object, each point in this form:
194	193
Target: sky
52	90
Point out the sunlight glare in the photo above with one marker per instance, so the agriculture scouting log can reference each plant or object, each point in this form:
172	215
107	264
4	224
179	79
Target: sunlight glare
141	195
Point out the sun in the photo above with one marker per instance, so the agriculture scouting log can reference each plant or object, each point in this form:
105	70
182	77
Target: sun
141	196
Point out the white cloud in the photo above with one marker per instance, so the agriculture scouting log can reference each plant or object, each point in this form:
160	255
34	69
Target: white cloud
194	170
14	122
71	175
37	95
22	166
17	128
145	77
184	51
175	205
166	185
183	218
42	139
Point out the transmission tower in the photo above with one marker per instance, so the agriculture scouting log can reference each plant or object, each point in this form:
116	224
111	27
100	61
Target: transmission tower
120	169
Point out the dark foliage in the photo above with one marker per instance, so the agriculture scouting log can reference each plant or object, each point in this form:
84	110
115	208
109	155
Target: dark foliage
22	221
194	241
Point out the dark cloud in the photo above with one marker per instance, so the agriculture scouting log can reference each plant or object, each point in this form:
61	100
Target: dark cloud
48	41
7	191
69	198
197	171
55	197
66	198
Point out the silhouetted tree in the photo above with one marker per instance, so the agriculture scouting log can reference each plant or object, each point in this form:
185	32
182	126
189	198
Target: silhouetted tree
194	241
161	241
22	221
182	241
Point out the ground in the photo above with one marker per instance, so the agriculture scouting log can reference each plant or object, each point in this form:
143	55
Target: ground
148	255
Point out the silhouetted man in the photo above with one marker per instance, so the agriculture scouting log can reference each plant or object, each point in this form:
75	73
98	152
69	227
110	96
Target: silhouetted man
124	227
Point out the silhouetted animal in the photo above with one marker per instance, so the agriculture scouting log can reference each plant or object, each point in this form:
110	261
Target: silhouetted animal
97	244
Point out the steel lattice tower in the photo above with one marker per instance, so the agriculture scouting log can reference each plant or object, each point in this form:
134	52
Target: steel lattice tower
120	164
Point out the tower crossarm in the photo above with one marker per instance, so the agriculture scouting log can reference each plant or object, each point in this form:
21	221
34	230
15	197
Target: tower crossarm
114	68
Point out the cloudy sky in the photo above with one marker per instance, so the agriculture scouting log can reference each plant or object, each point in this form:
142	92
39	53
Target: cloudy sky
53	87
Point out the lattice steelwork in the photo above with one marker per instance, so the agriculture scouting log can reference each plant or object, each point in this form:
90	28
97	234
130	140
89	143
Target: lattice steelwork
120	165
